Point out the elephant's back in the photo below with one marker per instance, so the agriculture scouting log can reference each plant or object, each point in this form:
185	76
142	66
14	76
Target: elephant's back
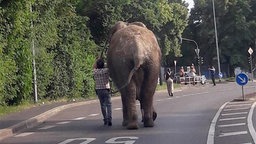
133	39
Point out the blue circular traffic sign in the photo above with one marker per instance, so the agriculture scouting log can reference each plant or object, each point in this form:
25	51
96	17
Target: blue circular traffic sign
241	79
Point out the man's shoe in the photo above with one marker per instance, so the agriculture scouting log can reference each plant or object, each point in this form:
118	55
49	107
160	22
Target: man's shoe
109	123
105	123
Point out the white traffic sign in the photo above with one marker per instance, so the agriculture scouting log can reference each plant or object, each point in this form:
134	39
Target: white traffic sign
250	50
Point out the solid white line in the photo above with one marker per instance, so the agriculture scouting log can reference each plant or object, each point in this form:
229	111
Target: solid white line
233	133
210	137
232	125
236	118
236	109
24	134
230	114
250	123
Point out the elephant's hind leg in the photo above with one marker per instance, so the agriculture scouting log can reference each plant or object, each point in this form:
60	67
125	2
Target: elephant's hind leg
130	117
147	93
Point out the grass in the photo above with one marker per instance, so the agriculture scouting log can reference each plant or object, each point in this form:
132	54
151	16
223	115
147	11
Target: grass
5	110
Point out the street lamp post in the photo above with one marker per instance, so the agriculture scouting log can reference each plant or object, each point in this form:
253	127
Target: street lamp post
197	50
34	61
216	38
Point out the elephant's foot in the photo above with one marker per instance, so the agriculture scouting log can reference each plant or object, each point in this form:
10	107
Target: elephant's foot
148	123
132	126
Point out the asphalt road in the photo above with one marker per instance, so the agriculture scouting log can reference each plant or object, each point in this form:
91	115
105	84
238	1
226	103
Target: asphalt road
191	116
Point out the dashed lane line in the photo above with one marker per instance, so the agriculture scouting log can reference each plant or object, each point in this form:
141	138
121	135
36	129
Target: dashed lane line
92	115
61	123
24	134
79	118
116	109
47	127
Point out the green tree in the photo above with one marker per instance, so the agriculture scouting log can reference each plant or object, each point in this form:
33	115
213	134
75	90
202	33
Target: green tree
235	26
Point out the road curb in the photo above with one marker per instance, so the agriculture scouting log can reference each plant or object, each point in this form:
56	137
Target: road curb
34	121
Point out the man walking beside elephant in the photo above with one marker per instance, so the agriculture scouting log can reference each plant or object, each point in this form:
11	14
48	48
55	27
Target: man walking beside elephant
102	88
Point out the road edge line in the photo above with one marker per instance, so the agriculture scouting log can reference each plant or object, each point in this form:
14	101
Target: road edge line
210	137
250	123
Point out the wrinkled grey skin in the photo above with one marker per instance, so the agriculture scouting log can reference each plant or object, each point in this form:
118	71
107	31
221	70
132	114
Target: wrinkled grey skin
133	60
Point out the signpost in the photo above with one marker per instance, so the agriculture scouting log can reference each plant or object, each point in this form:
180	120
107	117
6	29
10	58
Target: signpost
242	79
250	51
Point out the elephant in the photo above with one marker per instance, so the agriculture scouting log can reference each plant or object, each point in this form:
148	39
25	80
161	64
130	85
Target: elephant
134	60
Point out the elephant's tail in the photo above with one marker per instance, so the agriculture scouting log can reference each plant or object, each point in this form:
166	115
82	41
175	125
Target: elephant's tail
128	80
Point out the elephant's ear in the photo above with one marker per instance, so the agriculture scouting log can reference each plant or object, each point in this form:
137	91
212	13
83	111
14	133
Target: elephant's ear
138	24
119	25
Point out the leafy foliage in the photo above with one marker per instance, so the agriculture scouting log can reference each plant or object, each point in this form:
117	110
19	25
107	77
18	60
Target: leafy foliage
66	37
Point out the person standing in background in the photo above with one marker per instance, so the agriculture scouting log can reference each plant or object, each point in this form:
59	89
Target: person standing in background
102	88
212	74
169	81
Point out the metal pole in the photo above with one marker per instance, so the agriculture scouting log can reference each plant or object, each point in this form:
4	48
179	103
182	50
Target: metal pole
243	92
34	61
197	52
251	66
216	37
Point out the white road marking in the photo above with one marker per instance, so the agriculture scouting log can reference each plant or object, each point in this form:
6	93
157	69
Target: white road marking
233	109
250	123
232	125
80	118
24	134
91	115
118	109
177	97
246	143
235	118
47	127
233	133
65	122
230	114
210	137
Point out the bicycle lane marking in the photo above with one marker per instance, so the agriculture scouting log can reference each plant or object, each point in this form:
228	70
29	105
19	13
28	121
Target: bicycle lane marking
250	123
211	133
210	138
